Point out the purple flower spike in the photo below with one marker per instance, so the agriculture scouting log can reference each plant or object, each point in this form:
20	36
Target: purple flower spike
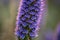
28	18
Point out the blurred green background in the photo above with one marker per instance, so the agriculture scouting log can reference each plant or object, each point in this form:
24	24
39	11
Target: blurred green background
8	12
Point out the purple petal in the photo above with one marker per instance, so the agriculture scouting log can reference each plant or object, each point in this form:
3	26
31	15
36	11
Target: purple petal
33	17
29	21
24	24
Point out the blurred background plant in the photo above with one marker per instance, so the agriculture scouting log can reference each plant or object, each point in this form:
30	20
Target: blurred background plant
8	12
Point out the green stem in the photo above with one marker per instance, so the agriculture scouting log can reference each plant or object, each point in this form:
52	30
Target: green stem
29	38
19	38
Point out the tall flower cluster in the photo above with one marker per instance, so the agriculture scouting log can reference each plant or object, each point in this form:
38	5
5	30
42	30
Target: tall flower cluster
28	18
